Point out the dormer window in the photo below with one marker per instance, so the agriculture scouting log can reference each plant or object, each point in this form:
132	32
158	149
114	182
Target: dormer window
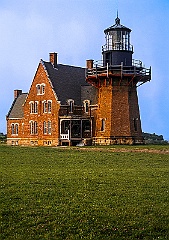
71	104
40	89
86	105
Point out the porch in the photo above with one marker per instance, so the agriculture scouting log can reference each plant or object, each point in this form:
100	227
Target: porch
74	131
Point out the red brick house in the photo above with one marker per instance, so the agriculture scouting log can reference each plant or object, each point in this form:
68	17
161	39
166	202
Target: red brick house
67	105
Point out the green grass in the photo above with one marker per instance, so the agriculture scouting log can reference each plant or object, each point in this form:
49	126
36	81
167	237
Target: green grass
72	194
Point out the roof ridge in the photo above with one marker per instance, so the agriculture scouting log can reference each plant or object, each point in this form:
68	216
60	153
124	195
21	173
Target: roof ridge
47	74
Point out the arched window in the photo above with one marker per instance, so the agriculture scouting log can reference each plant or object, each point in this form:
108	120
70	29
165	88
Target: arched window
86	105
16	128
31	107
33	127
45	104
49	127
13	128
38	87
135	124
71	104
44	128
49	106
36	107
103	124
42	88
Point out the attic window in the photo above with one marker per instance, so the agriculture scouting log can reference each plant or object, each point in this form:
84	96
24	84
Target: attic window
71	104
40	89
86	105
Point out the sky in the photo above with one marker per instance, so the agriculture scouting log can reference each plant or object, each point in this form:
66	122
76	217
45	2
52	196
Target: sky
31	29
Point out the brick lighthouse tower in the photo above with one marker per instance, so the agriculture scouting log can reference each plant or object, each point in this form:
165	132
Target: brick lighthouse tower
117	77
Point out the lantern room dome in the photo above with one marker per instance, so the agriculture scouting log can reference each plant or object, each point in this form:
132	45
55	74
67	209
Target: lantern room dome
117	26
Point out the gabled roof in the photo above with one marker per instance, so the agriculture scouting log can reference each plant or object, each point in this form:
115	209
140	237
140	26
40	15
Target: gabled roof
16	110
66	80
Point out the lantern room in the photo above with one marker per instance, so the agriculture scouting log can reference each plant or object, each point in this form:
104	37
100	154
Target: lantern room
117	49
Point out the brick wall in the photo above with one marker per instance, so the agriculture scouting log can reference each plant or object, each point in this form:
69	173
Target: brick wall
39	138
118	106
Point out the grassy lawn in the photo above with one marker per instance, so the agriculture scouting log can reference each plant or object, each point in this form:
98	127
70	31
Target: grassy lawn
72	194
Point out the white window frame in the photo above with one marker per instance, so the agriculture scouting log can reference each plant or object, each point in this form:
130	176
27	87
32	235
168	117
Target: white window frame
40	89
44	128
71	104
12	128
36	107
33	127
16	128
85	103
49	106
49	127
45	106
33	107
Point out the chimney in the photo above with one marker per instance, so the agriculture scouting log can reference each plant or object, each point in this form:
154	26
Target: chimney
17	93
53	59
89	63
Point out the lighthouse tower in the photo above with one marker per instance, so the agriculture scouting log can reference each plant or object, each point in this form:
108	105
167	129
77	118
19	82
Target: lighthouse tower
117	77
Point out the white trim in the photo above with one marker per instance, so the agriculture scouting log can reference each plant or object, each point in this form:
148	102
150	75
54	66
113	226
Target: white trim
86	101
13	131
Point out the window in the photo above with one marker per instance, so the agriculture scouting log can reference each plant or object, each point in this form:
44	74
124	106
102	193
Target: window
47	127
33	127
86	105
14	128
40	89
47	106
71	104
135	123
33	107
43	89
44	128
103	124
44	106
